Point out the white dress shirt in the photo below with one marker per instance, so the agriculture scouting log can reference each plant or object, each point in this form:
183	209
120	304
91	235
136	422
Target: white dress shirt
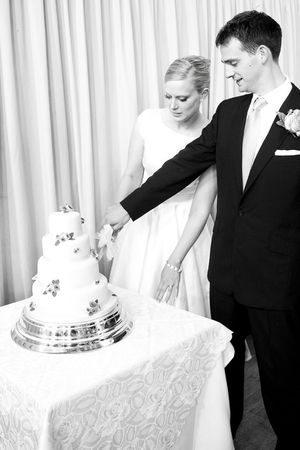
274	100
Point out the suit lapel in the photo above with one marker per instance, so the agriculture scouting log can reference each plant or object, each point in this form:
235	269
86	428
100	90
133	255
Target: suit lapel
266	152
272	141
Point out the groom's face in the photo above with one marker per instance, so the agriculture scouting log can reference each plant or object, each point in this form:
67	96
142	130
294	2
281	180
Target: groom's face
243	67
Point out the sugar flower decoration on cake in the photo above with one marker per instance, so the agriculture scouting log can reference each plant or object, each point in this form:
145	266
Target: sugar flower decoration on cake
32	306
290	121
93	307
66	208
63	237
52	288
106	244
94	254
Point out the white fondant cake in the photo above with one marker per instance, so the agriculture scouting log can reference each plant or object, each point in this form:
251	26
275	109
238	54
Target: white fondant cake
68	287
71	309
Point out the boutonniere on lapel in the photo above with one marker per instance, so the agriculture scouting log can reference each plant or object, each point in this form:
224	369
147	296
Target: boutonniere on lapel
290	121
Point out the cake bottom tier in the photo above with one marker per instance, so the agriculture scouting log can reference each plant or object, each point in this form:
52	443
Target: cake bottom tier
103	329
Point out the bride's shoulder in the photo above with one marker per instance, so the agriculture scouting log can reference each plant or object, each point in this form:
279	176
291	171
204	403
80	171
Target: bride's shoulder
151	112
150	116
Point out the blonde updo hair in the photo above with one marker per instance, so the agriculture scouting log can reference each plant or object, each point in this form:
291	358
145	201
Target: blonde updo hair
196	67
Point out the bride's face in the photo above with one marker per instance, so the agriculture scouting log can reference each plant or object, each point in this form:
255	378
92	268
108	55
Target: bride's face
183	99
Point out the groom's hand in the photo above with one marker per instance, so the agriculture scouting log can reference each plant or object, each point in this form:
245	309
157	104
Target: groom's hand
116	216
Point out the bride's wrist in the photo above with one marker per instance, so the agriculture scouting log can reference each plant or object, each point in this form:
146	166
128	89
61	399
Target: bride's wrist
176	267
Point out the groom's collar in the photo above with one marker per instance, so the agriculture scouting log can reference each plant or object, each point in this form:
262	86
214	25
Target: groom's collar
277	96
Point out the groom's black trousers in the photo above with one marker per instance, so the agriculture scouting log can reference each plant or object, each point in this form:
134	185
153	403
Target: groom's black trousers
276	337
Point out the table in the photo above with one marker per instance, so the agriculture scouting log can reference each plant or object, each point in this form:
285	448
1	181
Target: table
163	386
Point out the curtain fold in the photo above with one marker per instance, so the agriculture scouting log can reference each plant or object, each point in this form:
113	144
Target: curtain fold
74	74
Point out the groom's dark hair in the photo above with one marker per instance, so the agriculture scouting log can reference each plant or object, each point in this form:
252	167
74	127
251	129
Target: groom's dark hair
252	29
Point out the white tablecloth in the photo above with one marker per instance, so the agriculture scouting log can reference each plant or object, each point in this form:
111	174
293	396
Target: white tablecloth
163	386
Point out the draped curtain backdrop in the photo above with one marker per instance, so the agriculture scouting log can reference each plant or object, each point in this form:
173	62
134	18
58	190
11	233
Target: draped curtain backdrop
74	74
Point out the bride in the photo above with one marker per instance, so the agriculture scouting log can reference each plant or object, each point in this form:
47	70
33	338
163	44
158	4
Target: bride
155	243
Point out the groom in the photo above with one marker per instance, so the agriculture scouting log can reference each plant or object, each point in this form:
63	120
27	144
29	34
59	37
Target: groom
254	267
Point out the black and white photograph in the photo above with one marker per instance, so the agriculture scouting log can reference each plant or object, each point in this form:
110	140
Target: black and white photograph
149	224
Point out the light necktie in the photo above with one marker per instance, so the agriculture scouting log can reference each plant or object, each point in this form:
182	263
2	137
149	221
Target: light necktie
251	135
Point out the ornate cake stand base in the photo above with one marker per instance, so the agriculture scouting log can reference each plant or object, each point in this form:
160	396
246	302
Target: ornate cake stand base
105	329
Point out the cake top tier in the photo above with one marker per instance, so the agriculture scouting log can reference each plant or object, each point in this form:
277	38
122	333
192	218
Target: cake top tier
65	222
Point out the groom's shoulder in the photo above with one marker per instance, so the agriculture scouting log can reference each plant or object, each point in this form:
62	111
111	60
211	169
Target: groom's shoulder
295	90
295	86
235	101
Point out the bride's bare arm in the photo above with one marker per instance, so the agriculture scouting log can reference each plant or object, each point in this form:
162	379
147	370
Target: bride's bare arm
133	174
201	207
131	179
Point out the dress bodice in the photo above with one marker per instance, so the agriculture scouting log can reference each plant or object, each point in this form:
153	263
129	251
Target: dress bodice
160	144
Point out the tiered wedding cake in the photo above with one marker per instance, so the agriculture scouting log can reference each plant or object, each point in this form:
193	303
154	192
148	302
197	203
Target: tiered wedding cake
72	308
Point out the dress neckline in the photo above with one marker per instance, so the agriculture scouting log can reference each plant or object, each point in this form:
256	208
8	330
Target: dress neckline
188	136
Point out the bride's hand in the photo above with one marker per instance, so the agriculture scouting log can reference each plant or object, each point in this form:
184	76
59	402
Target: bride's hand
169	284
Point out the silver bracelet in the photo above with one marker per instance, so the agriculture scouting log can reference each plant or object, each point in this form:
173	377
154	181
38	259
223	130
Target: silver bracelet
176	268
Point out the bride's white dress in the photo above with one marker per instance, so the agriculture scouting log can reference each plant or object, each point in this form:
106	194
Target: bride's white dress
144	245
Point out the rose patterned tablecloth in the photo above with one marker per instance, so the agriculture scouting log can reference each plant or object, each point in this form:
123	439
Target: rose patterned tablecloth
161	387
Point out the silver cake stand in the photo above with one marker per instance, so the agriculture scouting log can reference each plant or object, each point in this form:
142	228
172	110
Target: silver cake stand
109	327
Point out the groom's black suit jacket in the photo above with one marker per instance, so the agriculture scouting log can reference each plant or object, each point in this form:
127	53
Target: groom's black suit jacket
255	251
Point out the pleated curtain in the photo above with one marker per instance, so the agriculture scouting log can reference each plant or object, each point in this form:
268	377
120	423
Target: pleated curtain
74	74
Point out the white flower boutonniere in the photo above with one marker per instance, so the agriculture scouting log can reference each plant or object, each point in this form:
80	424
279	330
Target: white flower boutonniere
290	121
